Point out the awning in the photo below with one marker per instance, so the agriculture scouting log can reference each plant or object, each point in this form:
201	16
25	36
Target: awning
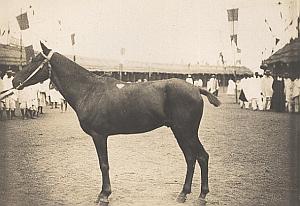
290	53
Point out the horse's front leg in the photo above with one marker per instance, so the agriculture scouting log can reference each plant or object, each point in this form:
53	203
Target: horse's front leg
100	142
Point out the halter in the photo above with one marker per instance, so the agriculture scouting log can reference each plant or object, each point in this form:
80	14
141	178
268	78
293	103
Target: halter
46	60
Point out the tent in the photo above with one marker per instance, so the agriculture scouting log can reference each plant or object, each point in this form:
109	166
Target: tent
286	59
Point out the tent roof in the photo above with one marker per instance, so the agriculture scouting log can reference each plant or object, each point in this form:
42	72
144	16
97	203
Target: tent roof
288	54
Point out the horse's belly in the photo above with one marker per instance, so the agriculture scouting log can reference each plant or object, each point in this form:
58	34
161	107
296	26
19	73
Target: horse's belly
128	124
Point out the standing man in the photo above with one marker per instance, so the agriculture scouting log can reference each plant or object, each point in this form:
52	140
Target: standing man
41	96
296	94
1	101
213	85
278	98
267	91
198	83
10	101
256	92
231	87
288	91
25	102
189	79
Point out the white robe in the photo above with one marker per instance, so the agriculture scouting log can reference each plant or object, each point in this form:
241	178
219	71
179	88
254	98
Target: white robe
296	88
288	89
266	86
189	80
231	87
255	87
213	85
198	83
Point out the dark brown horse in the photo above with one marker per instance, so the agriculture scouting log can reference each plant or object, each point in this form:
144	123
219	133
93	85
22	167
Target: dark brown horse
106	106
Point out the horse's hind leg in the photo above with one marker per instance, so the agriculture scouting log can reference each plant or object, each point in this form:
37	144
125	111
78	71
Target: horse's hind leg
190	159
202	158
100	142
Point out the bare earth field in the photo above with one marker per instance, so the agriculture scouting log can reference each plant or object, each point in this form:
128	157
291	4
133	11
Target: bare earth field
254	160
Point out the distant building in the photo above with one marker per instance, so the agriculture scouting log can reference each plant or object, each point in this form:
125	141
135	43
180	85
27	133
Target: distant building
132	71
10	57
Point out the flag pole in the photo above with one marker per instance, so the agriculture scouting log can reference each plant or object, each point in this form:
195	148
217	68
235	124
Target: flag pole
21	44
74	58
8	31
73	43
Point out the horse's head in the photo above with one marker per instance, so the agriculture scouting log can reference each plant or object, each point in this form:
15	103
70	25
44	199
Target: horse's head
37	70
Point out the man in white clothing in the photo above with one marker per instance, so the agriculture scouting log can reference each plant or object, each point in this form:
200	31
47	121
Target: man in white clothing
296	94
10	101
198	83
189	79
256	101
267	91
1	101
213	85
288	91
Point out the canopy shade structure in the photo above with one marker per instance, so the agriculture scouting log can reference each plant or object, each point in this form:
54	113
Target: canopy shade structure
285	60
290	53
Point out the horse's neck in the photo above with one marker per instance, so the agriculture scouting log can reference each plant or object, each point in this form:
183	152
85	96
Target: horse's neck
73	81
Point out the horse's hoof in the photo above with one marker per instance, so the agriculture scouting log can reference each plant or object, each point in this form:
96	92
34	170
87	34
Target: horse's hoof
103	203
202	196
181	198
202	201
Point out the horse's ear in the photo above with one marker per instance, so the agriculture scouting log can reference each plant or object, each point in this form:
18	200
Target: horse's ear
45	49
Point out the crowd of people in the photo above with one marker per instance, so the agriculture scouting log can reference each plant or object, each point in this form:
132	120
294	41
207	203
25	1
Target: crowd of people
30	101
260	92
270	92
212	85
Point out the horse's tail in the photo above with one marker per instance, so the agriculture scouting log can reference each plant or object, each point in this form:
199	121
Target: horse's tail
211	98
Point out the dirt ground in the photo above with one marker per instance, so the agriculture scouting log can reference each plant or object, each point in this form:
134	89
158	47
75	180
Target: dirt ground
254	160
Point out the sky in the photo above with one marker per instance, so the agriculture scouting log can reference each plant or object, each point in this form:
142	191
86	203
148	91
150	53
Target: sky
160	31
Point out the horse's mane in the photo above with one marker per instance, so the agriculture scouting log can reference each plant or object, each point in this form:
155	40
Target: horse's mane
71	65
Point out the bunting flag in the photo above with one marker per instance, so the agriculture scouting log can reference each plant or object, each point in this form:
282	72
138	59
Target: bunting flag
59	22
23	21
290	24
233	37
222	57
268	25
276	41
73	38
29	52
232	14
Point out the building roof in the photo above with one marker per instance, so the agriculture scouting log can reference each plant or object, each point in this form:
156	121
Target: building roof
131	66
10	55
290	53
